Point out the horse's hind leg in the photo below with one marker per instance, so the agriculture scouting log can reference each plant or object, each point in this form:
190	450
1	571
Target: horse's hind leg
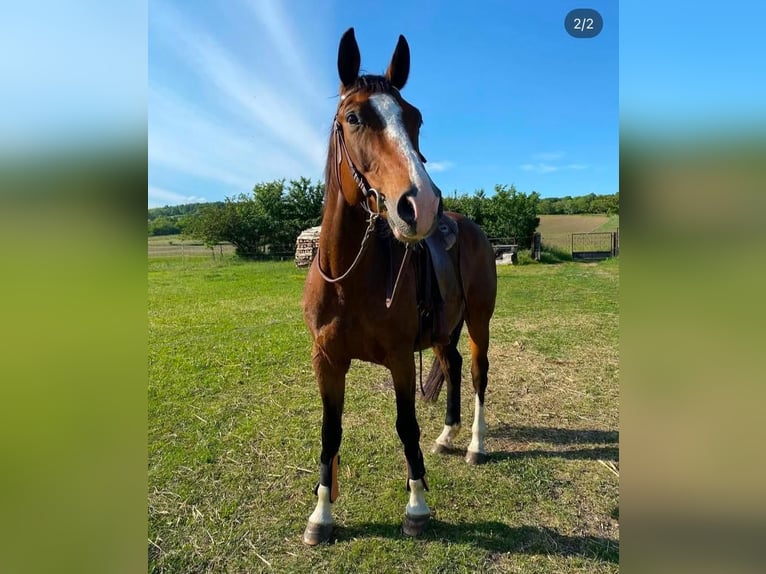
332	384
479	344
452	364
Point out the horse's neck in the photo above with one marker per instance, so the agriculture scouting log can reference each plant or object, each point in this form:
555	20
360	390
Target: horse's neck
343	228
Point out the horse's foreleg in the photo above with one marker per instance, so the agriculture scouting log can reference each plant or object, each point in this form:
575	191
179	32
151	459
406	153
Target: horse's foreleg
332	383
417	512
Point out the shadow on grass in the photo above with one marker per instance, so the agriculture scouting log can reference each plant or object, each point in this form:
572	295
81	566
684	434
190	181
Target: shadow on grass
495	537
554	254
554	435
604	444
596	453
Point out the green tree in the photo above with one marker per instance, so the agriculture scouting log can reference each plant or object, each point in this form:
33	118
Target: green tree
268	219
303	205
512	214
164	225
472	206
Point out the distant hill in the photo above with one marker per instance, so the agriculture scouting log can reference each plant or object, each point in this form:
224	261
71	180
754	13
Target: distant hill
177	210
170	220
582	204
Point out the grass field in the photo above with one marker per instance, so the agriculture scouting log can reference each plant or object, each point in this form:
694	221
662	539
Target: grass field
234	432
556	230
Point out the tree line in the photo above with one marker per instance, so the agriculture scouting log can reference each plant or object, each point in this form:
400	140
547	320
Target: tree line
266	221
508	214
270	218
591	203
172	219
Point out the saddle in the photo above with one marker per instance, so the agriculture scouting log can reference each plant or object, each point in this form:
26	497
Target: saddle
435	260
438	279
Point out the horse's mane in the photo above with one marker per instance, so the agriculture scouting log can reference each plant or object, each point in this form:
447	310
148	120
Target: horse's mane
371	83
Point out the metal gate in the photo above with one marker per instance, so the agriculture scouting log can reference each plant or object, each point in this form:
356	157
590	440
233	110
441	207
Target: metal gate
595	246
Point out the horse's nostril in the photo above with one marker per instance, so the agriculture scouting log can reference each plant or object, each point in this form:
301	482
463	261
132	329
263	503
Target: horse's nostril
405	208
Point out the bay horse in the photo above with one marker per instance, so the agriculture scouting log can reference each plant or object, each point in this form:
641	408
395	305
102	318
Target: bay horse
379	204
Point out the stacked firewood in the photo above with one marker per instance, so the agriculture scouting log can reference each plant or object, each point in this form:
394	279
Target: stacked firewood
306	246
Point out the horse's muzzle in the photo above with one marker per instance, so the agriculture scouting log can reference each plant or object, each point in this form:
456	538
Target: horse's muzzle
416	216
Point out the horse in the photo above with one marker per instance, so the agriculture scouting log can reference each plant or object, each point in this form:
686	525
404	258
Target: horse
380	206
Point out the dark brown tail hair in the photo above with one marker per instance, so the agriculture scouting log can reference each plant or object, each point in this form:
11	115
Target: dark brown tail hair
432	386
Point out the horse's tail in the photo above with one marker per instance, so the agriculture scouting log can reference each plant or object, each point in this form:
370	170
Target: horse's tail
433	384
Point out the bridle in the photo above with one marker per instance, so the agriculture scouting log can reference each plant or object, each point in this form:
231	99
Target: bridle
341	152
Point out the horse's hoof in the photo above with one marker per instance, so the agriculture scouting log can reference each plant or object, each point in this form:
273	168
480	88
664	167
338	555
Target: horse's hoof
439	448
475	457
316	533
414	525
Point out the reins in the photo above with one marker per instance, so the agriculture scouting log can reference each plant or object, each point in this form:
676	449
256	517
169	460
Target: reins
362	248
367	192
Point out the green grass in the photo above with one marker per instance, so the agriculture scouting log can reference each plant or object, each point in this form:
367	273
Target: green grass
611	224
181	246
234	432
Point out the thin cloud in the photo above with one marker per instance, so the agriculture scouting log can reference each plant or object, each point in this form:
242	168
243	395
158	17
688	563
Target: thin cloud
549	156
207	149
539	167
159	197
547	163
439	166
260	102
284	37
258	126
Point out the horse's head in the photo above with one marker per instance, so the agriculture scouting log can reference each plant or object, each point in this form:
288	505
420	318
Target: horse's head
376	141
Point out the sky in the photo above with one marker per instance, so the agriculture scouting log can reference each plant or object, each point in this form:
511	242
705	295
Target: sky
245	91
692	69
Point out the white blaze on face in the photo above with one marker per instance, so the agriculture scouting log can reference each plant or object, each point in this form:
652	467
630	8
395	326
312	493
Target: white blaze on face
426	201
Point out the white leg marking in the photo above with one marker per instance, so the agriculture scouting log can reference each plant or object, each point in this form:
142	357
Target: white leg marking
448	435
322	513
417	505
478	429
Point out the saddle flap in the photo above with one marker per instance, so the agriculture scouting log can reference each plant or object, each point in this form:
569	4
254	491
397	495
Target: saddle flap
439	243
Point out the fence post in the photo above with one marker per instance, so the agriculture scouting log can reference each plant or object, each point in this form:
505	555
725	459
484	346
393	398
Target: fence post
536	245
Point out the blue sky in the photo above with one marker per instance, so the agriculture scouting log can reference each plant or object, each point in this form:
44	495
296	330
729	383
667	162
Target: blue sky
245	91
692	70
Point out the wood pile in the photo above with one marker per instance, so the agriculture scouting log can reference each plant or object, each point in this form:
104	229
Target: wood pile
306	246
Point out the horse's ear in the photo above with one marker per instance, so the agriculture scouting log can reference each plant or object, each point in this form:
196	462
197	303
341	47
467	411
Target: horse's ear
399	68
349	58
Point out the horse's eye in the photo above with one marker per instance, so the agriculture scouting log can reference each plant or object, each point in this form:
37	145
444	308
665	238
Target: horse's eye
353	119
